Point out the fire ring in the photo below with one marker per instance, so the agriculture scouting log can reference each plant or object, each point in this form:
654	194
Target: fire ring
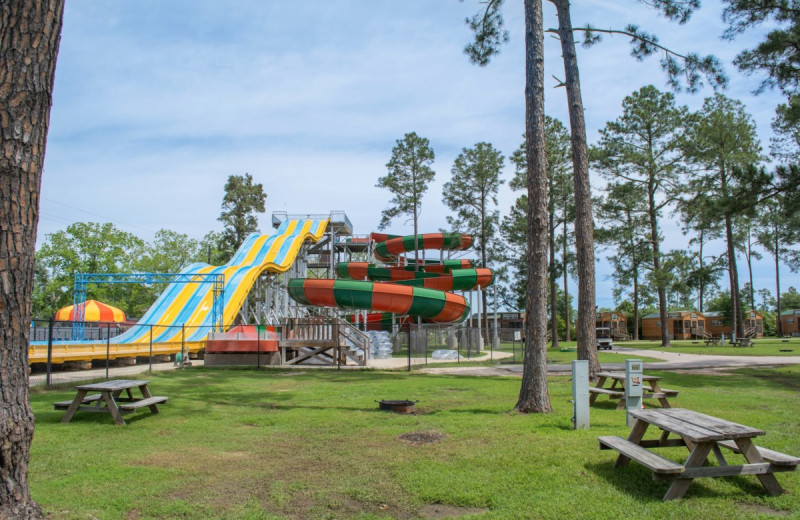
404	406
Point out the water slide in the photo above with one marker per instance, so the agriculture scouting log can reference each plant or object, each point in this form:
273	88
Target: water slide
190	304
409	289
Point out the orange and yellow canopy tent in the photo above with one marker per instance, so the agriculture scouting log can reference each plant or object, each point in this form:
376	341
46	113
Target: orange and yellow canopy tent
93	311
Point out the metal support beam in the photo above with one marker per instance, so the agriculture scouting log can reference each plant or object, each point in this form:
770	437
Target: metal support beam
82	280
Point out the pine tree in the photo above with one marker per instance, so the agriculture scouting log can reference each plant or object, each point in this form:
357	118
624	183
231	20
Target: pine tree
409	174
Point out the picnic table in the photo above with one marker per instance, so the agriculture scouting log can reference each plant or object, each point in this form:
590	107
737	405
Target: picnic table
110	399
652	388
711	341
701	434
742	342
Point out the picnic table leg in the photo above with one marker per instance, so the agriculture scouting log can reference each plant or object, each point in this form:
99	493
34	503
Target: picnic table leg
146	394
637	432
74	405
752	456
113	409
600	382
696	459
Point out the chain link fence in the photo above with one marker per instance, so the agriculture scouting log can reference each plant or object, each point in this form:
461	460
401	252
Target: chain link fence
416	345
67	351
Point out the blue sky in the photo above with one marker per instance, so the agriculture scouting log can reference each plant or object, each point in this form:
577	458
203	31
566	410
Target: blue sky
157	103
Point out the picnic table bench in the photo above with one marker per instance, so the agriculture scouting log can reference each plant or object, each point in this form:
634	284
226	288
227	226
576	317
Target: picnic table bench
652	389
701	434
110	399
711	341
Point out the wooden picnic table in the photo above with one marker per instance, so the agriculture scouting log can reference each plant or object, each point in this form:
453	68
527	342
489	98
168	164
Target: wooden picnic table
701	434
711	341
617	388
109	399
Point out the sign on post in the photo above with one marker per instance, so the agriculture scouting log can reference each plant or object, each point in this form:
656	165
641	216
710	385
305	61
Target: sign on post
580	394
633	388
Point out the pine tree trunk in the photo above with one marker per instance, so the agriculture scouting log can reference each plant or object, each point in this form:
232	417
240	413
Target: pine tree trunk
701	289
636	303
584	225
778	324
552	275
660	289
29	38
534	395
567	310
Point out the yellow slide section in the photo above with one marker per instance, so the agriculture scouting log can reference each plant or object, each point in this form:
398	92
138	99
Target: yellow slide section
190	305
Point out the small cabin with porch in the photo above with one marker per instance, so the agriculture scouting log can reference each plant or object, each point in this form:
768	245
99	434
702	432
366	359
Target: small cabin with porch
680	325
790	322
752	322
616	322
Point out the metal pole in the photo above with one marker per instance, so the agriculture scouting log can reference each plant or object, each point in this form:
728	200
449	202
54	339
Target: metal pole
108	345
49	349
183	344
151	349
258	347
409	346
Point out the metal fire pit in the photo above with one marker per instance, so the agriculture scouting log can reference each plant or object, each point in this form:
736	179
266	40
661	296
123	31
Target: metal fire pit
404	406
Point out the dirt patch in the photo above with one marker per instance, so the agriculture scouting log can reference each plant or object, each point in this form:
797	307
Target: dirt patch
422	437
445	511
761	509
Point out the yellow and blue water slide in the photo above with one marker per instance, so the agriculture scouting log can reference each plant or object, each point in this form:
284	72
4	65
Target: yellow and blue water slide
182	313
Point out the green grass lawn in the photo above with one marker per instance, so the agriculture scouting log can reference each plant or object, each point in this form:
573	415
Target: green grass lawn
247	444
761	347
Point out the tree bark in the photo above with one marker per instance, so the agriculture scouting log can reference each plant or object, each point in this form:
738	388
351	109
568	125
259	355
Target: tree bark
552	274
778	324
584	225
29	38
567	309
534	395
733	274
733	278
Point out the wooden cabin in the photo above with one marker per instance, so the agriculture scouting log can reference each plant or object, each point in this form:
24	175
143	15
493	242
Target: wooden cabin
717	325
617	322
680	325
790	322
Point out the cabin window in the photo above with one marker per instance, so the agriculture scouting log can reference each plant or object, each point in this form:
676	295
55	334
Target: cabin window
790	320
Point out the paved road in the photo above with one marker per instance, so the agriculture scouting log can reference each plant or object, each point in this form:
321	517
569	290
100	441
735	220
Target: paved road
671	361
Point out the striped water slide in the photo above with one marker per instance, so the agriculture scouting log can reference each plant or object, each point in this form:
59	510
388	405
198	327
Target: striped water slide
405	290
191	304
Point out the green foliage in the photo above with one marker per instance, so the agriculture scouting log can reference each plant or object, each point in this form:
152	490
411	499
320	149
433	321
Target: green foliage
791	299
472	194
84	247
642	149
409	174
169	252
489	33
690	70
778	55
623	226
241	203
211	249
